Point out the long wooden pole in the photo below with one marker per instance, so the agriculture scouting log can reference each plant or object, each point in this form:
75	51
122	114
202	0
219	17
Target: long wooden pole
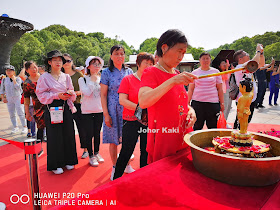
251	66
221	73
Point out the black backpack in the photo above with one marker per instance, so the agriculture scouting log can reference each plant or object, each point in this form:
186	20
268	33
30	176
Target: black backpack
233	87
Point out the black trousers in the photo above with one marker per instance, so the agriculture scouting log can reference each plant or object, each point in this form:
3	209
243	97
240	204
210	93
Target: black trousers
252	108
261	93
40	134
130	133
61	144
92	124
206	111
79	122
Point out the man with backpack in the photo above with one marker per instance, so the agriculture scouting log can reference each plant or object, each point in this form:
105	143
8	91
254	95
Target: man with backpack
241	57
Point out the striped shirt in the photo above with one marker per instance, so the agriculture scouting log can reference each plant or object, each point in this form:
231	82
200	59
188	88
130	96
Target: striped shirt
205	90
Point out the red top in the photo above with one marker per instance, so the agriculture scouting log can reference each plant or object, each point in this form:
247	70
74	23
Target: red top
166	118
130	85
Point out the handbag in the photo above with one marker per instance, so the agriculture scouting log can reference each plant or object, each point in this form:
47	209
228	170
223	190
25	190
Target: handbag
141	115
233	87
222	123
22	99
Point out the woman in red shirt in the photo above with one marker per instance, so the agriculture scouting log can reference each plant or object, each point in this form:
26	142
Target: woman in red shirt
132	128
162	91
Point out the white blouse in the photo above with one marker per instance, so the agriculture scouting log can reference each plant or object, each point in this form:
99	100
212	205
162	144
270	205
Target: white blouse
91	99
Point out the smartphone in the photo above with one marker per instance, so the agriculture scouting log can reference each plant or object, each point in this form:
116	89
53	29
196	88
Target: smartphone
67	94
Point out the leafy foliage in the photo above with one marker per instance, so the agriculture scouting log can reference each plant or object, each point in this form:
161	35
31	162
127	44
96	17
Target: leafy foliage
36	44
270	41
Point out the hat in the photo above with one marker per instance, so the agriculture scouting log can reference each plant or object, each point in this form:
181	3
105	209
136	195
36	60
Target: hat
9	67
80	68
53	54
222	56
90	58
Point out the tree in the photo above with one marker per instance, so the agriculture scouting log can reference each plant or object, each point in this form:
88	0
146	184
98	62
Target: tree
195	52
98	35
272	50
60	30
149	45
246	44
266	39
27	48
80	49
55	45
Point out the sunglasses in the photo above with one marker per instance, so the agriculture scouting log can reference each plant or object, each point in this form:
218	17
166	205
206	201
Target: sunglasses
68	61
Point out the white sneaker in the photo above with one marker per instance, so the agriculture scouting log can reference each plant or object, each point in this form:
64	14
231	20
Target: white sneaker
93	161
112	174
132	157
24	130
15	130
58	171
228	126
128	169
99	158
2	206
69	167
84	155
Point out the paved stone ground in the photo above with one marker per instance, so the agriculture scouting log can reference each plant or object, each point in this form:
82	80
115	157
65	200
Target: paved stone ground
267	115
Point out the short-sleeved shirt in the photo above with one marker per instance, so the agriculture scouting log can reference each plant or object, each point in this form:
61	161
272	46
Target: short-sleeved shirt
239	76
165	115
113	79
205	89
130	85
74	79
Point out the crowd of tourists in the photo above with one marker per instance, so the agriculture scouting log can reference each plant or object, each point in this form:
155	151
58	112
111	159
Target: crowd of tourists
149	105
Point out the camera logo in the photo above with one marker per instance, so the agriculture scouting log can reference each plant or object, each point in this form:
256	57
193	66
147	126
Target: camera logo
15	199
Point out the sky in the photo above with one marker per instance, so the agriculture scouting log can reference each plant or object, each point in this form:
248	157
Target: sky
206	23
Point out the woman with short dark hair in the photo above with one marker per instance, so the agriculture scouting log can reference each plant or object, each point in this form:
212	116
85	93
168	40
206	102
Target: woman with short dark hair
206	94
162	91
128	97
29	91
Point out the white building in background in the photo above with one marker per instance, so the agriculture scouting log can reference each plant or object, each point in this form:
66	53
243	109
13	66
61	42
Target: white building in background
187	63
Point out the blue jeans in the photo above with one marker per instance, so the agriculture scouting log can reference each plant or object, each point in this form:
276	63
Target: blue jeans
31	124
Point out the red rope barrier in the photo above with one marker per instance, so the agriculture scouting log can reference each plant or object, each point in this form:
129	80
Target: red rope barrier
16	143
34	149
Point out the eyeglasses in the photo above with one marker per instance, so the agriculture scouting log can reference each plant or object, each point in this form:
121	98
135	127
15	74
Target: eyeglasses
68	61
96	65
